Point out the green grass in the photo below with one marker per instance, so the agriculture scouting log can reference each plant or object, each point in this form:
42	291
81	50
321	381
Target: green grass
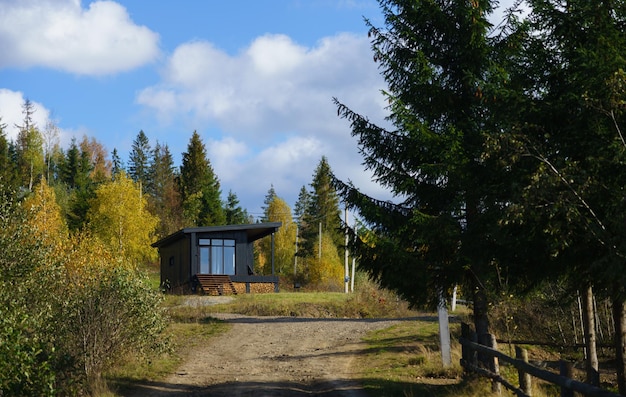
404	360
366	303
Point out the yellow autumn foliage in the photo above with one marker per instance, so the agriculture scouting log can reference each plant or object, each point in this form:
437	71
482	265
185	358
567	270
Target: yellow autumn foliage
325	270
45	219
118	216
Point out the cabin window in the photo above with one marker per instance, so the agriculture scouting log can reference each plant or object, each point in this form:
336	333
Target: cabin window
217	256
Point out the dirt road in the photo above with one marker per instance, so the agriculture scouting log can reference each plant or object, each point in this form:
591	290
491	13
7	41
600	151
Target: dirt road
273	356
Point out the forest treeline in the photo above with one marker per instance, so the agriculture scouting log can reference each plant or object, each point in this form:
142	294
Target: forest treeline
98	192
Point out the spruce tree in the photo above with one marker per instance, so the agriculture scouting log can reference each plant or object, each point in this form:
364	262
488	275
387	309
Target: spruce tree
322	210
138	161
199	187
235	215
75	170
269	198
117	165
436	57
302	205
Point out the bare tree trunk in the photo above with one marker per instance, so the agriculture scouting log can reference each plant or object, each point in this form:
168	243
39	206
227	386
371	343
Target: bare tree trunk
620	344
589	326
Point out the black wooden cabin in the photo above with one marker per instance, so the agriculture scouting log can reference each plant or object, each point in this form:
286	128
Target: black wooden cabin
215	259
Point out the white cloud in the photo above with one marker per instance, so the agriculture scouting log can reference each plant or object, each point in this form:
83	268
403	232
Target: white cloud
275	96
273	100
61	34
272	87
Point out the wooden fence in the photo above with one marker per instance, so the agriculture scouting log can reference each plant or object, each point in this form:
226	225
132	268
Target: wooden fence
473	354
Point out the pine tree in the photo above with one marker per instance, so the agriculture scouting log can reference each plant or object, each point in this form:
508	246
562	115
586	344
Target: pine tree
435	57
568	138
138	161
302	205
199	187
269	198
322	210
116	164
235	215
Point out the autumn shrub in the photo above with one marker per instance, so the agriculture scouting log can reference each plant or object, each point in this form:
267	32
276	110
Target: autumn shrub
69	307
109	313
29	360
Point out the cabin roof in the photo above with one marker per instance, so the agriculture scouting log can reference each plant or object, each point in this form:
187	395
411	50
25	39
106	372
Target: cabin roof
253	231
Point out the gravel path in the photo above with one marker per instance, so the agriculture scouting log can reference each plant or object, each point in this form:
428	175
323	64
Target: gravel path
273	356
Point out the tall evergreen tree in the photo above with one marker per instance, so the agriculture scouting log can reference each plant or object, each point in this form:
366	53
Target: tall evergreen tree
139	158
199	186
269	198
235	215
323	210
75	170
302	205
436	59
117	165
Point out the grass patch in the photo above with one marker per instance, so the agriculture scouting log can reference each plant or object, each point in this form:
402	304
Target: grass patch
365	303
404	360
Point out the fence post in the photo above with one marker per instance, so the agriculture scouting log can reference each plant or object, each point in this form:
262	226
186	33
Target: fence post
473	353
465	351
524	378
566	369
495	365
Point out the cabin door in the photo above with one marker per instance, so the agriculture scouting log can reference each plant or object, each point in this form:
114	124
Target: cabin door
204	260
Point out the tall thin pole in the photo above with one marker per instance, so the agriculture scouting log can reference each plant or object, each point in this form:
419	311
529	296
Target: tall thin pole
319	254
346	270
295	257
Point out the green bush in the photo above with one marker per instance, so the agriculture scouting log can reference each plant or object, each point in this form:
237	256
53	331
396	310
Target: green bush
113	313
28	357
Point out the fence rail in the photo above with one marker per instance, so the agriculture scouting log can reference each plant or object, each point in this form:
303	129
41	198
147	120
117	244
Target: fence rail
473	353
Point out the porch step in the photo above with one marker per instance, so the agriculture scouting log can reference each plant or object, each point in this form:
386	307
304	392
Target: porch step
216	284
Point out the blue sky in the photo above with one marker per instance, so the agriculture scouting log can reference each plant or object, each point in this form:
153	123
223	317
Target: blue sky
254	78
